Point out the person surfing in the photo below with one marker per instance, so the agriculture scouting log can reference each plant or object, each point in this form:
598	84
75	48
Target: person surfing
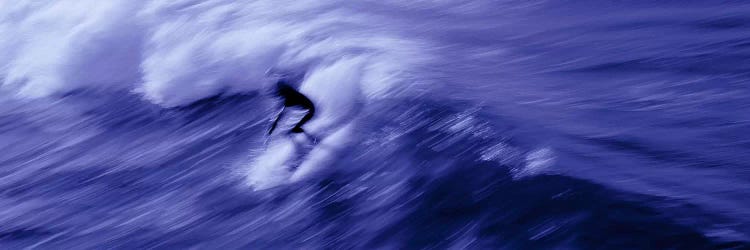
303	140
292	99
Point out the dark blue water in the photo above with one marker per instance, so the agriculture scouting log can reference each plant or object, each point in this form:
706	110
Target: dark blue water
477	125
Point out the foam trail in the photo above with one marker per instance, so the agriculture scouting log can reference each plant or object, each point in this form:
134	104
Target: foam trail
324	154
272	167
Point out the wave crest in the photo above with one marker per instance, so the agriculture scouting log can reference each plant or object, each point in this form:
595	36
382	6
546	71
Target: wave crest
176	52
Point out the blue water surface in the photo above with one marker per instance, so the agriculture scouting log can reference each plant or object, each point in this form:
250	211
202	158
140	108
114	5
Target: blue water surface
512	125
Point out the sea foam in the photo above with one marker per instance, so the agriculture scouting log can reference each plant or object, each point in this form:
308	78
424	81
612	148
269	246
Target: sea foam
177	52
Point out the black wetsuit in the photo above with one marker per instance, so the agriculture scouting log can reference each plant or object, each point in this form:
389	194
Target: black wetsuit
293	98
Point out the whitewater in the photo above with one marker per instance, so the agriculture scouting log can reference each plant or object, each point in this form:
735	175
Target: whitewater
486	124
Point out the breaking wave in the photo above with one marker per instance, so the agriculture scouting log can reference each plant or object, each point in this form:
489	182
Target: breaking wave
486	124
177	52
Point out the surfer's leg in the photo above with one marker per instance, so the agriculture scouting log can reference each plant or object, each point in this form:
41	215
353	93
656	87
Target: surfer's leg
298	128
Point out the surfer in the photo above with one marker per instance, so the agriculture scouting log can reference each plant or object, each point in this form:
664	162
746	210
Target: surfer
292	99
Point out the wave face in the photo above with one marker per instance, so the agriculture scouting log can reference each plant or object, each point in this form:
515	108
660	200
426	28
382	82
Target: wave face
482	125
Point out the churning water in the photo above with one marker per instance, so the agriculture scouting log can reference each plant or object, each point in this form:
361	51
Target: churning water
444	124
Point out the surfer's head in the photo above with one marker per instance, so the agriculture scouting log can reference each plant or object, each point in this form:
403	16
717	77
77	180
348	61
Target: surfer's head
284	87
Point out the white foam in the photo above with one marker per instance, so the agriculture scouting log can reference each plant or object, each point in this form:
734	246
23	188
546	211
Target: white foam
52	47
321	157
335	90
272	167
176	52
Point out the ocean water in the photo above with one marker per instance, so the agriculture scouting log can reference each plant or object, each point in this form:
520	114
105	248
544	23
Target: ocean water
485	124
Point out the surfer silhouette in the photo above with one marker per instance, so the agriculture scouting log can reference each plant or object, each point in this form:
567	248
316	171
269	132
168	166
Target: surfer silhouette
292	99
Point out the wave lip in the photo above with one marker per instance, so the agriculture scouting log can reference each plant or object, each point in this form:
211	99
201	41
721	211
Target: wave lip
174	53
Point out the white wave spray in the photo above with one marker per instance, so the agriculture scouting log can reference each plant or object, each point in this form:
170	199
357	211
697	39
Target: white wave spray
176	52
